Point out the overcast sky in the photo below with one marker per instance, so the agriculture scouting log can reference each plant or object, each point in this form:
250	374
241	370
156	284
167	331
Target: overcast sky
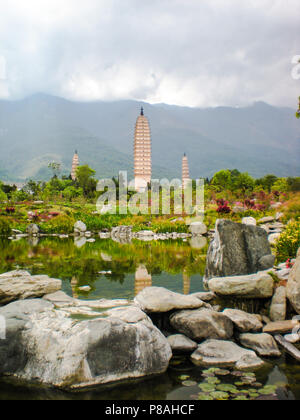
183	52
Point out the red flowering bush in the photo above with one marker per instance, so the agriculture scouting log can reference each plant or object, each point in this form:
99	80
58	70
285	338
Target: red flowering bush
223	207
10	210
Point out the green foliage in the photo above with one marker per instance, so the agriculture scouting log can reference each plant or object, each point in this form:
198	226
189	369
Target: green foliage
60	224
85	178
5	228
3	196
289	242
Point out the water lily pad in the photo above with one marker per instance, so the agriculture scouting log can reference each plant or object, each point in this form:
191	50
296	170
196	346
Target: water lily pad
189	383
213	381
222	372
218	395
228	388
238	374
184	377
207	387
241	398
205	397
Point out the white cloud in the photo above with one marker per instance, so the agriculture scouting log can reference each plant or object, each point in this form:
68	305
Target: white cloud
186	52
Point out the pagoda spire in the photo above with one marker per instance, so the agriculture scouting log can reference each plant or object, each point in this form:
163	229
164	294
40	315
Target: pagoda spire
75	165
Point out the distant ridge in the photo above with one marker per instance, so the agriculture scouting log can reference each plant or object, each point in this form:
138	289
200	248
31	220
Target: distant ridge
39	129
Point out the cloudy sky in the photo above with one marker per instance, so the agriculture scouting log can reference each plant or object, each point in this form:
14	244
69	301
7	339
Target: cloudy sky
183	52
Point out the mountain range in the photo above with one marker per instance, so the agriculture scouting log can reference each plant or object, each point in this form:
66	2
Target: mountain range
40	129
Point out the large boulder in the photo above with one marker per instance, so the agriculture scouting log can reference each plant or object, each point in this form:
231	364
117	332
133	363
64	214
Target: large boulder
243	321
256	286
20	285
32	230
202	324
293	286
45	344
160	300
238	249
263	344
217	353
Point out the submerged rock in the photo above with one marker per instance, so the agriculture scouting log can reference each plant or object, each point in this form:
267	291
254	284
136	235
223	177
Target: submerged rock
181	344
263	344
243	321
255	286
202	324
47	346
217	353
160	300
238	249
293	286
20	285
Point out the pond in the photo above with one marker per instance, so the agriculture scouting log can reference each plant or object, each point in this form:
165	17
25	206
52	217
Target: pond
114	270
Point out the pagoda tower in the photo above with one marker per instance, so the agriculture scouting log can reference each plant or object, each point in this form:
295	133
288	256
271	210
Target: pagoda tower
75	165
185	171
142	153
142	279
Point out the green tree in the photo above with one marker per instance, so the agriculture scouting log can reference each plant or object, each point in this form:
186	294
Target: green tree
267	182
281	185
244	182
3	196
85	180
222	180
55	167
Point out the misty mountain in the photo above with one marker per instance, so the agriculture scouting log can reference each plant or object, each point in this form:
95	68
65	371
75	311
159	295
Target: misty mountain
40	129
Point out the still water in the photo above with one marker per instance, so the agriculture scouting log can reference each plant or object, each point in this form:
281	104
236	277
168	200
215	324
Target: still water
114	270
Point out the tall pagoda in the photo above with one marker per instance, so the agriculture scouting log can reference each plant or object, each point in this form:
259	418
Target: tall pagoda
142	153
185	171
75	165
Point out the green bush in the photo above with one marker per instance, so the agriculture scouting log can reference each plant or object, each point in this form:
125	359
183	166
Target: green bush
289	242
5	228
60	224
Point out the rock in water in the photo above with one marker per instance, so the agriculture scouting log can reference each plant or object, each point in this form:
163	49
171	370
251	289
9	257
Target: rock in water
243	321
80	228
32	229
160	300
217	353
238	249
293	286
202	324
278	305
198	228
263	344
255	286
20	285
46	345
181	344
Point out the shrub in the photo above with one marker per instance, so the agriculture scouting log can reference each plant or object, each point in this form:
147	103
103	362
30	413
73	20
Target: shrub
5	228
289	242
60	224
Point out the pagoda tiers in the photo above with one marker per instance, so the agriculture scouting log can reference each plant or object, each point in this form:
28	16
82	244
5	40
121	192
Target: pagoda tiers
185	171
142	153
75	165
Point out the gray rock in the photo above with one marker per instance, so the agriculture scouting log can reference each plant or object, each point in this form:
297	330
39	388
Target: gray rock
293	338
204	296
268	219
293	286
202	324
256	286
80	354
237	249
266	262
263	344
282	327
250	221
217	353
198	228
243	321
20	285
160	300
278	305
32	229
80	228
181	344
